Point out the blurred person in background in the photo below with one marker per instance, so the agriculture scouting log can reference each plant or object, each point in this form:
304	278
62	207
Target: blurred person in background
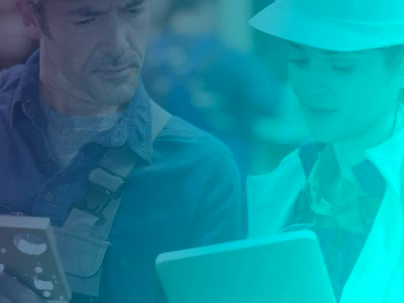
275	135
194	75
15	45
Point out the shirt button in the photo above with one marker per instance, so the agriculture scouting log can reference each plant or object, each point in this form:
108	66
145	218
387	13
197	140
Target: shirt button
49	197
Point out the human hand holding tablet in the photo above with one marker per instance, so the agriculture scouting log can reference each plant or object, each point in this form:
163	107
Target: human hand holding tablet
13	291
29	260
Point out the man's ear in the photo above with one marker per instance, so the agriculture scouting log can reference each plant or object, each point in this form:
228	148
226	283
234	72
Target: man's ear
29	18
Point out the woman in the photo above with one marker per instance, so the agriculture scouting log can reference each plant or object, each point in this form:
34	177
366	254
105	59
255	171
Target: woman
346	66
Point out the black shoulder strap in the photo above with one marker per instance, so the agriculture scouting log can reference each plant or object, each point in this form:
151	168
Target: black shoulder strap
107	180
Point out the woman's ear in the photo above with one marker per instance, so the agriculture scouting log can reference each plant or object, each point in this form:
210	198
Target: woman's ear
29	18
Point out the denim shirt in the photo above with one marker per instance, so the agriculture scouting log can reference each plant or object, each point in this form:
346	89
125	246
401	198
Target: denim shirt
184	192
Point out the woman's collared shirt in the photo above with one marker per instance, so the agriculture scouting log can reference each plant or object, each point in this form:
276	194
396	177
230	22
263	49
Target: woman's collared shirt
342	220
378	273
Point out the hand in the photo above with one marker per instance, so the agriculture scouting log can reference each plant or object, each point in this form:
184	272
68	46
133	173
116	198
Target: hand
12	291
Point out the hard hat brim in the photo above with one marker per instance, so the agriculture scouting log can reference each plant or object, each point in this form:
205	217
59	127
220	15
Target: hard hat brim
326	33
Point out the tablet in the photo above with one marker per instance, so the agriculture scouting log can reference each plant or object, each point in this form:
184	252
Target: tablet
285	268
28	252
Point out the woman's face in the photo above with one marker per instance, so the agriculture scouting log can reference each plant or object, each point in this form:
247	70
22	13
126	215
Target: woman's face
343	95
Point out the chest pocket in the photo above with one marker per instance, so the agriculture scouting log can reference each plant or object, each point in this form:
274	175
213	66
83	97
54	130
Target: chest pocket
82	245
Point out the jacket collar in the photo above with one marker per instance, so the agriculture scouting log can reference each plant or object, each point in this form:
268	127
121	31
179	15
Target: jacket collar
382	165
388	156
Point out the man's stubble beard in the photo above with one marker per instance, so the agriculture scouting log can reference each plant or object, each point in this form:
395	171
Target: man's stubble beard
107	93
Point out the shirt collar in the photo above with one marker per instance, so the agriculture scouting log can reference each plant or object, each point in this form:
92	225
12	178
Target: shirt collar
27	89
353	204
367	174
138	117
139	121
383	164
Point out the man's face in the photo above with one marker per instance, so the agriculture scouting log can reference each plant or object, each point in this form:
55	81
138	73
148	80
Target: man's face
94	49
343	95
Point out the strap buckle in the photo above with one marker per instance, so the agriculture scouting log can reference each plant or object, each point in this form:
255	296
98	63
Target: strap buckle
103	186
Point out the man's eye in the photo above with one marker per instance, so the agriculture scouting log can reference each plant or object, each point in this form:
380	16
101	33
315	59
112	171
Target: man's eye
85	21
133	10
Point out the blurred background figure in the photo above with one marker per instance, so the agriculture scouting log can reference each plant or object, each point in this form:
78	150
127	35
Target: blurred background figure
195	75
15	46
194	72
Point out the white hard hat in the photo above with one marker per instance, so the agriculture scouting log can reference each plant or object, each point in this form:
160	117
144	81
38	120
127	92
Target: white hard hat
336	25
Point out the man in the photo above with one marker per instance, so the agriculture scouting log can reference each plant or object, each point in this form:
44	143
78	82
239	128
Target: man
77	99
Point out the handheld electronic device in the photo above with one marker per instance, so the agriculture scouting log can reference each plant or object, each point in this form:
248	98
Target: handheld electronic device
28	252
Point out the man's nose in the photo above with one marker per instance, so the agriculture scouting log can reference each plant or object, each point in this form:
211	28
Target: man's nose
115	41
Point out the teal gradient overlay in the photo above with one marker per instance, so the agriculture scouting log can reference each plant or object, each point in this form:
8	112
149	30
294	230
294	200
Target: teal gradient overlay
295	126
